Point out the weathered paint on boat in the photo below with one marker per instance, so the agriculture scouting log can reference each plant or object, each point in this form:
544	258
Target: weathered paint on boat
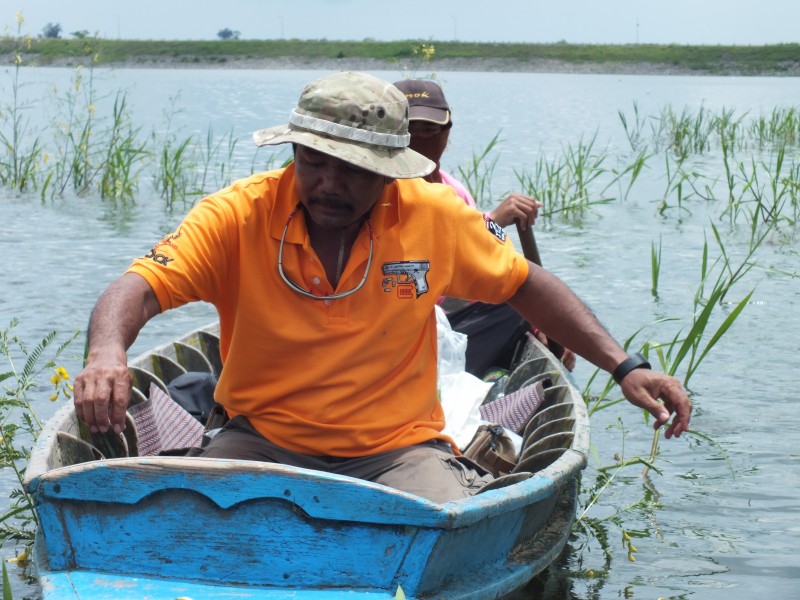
167	527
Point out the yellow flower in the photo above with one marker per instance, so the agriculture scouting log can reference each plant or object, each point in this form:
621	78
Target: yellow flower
60	383
18	59
631	557
632	548
19	559
20	18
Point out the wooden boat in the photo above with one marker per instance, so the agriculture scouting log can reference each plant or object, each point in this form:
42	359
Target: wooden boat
175	527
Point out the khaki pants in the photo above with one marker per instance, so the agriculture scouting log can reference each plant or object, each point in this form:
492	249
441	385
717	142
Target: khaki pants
430	469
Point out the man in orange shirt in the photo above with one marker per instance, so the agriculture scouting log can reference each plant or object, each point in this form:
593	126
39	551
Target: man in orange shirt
325	275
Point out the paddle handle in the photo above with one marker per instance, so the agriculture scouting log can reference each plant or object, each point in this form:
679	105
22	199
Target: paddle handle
531	251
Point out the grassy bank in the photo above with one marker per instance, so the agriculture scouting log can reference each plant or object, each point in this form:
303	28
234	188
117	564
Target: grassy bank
783	59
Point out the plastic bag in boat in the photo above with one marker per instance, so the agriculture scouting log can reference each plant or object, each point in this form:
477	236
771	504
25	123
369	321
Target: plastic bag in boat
460	393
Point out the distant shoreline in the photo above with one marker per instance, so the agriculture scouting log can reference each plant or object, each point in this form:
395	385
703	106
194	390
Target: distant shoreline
487	64
412	56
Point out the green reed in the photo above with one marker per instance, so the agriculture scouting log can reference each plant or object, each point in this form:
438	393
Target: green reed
754	200
781	126
679	182
686	133
74	136
93	153
633	170
634	131
655	267
119	169
6	584
18	167
209	153
585	166
477	175
72	162
566	183
172	179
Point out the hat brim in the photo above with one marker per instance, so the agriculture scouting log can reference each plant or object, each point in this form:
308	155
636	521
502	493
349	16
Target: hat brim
397	163
439	116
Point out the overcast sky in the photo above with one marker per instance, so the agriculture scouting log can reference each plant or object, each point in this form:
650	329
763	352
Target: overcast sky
740	22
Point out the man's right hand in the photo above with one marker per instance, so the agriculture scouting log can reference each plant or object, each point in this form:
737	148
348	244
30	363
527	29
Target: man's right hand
103	388
102	392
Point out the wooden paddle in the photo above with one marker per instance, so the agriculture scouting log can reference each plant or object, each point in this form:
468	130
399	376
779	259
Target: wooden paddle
531	252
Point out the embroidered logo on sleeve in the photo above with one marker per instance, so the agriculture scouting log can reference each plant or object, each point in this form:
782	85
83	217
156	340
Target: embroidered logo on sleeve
407	277
494	229
168	241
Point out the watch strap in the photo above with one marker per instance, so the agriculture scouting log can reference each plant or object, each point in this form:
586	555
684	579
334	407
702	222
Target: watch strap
634	361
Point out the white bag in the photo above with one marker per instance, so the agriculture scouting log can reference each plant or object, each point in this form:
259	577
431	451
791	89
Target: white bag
460	393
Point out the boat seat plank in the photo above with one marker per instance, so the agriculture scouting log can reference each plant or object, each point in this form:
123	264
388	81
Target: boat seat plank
166	368
142	378
192	359
210	344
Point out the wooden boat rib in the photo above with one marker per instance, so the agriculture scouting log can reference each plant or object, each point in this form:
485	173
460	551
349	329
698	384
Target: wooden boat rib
167	527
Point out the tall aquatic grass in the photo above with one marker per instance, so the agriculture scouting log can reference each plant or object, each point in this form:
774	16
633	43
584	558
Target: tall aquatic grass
781	126
106	155
173	179
74	133
119	168
564	183
22	150
477	174
216	158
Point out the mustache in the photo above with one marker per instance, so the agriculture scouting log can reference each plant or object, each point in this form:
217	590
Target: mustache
330	201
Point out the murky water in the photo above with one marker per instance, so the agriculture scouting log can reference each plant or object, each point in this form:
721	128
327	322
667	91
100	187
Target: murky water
722	519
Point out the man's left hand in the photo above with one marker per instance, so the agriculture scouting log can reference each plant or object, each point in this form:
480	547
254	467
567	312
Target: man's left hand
644	388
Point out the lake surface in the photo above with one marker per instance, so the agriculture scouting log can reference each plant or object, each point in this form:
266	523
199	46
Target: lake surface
722	519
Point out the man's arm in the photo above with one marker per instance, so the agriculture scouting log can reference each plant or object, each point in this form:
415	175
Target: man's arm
103	388
546	301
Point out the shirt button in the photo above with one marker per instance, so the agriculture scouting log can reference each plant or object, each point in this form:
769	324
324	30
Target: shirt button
328	302
316	280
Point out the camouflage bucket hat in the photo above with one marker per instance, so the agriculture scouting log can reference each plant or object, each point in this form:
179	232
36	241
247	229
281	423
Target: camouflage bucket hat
357	118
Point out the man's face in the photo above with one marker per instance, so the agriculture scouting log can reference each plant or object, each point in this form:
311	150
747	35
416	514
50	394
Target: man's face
334	192
429	139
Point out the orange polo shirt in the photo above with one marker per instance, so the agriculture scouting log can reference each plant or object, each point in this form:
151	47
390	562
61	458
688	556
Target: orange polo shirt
347	377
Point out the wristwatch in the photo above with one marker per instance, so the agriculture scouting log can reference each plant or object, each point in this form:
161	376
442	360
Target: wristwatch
634	361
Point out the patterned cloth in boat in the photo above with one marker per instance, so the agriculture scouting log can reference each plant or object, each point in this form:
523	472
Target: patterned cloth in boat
513	410
161	424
